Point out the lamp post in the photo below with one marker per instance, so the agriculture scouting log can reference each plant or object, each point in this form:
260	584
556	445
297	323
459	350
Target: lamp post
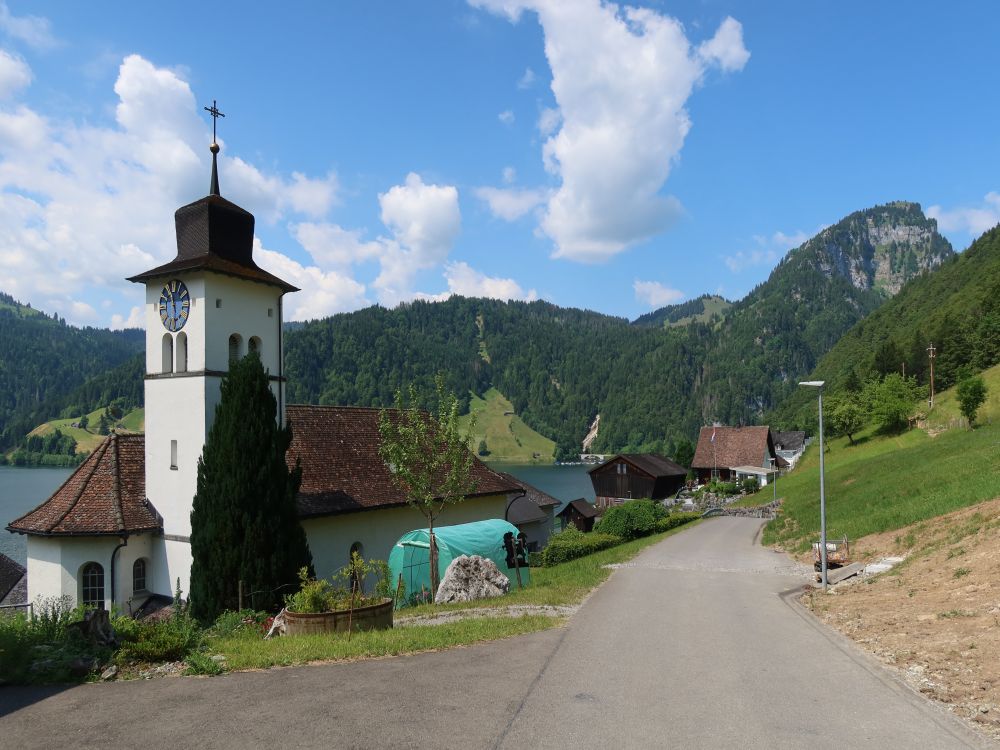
822	492
774	476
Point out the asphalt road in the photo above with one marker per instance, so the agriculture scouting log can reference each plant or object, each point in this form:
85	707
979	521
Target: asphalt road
689	646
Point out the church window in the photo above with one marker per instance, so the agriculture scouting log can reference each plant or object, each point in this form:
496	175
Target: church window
234	347
182	352
139	575
173	455
92	585
167	365
254	344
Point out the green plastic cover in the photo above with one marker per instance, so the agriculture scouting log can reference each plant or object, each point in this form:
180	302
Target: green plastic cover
410	556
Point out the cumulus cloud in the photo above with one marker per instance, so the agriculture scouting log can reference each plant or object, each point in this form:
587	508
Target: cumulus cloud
527	80
768	250
332	245
82	206
655	294
34	31
506	117
14	74
511	204
509	175
621	77
136	318
466	281
322	293
973	220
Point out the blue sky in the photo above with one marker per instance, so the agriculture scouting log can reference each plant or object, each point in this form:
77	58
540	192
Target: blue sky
596	155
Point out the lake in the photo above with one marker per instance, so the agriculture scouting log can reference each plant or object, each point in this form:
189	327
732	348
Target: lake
563	482
22	489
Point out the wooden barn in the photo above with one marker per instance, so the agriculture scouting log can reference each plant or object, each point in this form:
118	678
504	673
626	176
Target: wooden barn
629	476
578	513
722	450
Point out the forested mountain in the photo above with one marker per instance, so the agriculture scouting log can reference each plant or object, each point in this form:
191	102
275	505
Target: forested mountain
43	360
708	308
654	382
957	308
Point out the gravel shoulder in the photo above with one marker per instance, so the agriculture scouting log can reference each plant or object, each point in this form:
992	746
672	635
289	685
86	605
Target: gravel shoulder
934	618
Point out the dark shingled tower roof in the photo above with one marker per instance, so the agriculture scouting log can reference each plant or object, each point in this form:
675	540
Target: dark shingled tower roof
214	234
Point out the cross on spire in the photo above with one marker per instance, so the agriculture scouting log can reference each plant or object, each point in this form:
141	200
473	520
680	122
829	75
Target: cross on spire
216	114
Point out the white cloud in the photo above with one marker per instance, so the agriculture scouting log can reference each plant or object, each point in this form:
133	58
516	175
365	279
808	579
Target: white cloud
425	221
506	117
322	293
549	120
769	250
34	31
136	319
527	80
973	220
82	206
466	281
621	77
509	175
331	245
14	74
511	204
655	294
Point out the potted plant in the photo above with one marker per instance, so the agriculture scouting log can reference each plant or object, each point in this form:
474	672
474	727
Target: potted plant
341	604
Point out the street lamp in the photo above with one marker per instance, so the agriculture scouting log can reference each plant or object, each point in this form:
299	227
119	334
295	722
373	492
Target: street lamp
822	492
774	477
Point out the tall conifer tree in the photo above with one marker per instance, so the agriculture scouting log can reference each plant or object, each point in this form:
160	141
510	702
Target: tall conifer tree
244	523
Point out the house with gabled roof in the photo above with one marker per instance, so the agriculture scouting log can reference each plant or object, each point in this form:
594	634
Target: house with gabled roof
728	453
118	531
630	476
532	512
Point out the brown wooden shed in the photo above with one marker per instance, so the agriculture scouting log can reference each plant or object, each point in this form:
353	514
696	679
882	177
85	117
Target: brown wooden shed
629	476
579	513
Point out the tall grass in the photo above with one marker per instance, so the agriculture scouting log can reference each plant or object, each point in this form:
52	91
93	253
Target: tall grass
886	482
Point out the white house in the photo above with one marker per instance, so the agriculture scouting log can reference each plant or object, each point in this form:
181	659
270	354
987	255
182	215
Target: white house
118	531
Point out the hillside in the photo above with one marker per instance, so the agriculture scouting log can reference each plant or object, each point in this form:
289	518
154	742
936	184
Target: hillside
957	308
508	439
707	308
43	360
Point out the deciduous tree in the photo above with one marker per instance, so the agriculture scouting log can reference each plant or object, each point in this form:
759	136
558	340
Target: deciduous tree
971	395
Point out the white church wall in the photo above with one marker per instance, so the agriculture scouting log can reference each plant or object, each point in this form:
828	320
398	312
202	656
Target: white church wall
54	565
330	538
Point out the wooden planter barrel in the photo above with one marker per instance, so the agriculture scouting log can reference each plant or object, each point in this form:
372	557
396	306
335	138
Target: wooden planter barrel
372	617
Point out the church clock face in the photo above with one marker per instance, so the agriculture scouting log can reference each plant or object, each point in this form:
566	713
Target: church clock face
175	304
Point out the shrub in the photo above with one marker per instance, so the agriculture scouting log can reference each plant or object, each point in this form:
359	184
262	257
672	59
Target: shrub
750	484
572	543
198	662
170	639
674	520
632	519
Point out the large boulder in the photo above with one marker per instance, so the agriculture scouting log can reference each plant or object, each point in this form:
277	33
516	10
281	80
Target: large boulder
470	578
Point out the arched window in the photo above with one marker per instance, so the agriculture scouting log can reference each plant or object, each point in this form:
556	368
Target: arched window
139	575
234	347
253	345
92	585
182	352
167	365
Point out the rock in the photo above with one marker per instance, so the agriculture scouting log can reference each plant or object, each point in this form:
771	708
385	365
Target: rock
109	673
470	578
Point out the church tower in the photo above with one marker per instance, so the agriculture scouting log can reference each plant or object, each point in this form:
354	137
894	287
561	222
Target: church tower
207	307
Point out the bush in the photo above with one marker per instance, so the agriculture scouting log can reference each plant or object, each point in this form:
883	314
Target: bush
572	543
674	520
632	519
750	484
170	639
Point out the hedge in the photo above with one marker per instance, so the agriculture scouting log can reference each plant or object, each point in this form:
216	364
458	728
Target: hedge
572	543
631	519
675	520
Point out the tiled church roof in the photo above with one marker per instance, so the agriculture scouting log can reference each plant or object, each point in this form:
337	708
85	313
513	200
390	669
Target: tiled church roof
341	467
106	495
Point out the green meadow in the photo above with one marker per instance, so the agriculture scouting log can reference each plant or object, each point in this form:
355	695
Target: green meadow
508	438
87	440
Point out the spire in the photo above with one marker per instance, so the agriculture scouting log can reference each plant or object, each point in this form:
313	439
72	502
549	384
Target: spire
214	148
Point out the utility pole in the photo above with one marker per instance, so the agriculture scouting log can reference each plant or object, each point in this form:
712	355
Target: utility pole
931	353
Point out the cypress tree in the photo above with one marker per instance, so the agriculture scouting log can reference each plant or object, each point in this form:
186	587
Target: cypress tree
244	522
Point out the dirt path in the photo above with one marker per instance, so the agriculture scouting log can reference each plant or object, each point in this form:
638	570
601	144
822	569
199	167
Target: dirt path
936	617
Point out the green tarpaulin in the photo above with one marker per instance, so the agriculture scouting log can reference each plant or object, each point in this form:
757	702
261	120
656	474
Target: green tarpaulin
410	556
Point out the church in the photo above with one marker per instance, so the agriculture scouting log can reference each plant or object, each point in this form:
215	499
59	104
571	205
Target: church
117	532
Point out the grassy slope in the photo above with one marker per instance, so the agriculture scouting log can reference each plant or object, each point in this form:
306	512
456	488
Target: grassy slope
508	438
87	440
712	306
946	410
888	482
